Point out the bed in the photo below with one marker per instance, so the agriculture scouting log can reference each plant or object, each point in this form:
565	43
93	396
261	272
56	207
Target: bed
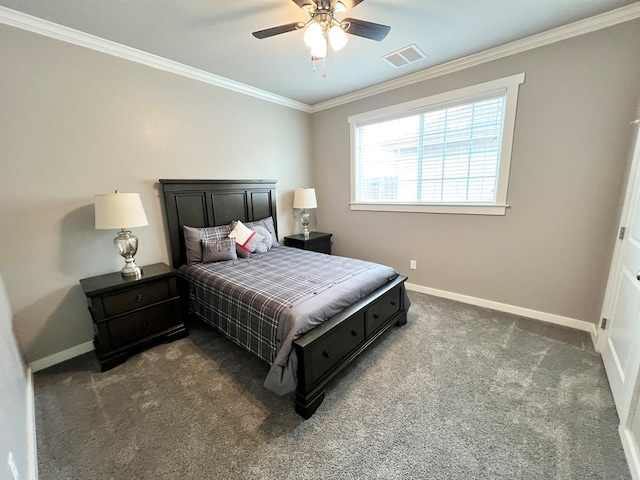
305	332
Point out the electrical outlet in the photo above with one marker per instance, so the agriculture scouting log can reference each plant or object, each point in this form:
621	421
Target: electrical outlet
413	265
12	466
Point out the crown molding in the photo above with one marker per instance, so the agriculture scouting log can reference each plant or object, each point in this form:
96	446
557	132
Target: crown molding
591	24
44	27
69	35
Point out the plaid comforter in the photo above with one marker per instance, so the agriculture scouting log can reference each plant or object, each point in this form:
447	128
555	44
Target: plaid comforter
259	302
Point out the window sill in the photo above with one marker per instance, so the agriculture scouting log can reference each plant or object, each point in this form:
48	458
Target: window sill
416	208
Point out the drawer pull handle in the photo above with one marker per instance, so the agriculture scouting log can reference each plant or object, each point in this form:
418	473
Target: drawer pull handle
354	333
393	303
326	354
375	317
139	298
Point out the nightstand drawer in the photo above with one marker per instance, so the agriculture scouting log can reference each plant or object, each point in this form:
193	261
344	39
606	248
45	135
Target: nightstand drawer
321	247
136	298
142	323
316	242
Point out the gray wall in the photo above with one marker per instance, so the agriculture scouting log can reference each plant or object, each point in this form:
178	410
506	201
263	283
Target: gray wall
14	413
74	123
552	250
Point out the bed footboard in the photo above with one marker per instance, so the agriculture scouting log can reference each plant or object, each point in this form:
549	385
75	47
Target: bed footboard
330	347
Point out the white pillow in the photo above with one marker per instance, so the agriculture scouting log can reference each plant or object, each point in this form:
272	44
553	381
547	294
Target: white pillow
246	239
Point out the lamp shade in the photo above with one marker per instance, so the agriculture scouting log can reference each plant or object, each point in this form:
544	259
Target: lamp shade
320	49
119	210
313	35
337	38
304	198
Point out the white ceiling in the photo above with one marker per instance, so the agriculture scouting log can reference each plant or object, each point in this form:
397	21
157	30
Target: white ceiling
215	35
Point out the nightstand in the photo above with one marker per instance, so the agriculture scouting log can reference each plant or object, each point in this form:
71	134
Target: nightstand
317	242
132	313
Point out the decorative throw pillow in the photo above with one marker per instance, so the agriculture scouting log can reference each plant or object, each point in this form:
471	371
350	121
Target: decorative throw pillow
268	224
219	250
194	236
246	239
216	233
266	243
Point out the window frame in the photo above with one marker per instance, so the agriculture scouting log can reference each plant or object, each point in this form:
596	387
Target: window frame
509	86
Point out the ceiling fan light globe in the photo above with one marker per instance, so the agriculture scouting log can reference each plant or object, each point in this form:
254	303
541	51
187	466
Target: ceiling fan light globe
313	35
319	50
340	7
337	38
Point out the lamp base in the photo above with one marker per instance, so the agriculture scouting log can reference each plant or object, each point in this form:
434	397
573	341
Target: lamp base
131	269
127	245
305	217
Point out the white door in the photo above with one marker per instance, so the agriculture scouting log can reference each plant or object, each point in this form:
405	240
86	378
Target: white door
621	343
630	434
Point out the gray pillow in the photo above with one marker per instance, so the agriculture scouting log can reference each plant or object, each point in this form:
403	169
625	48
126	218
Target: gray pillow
194	236
268	224
219	250
266	243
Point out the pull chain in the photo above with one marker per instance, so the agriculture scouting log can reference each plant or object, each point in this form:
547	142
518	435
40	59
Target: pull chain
324	66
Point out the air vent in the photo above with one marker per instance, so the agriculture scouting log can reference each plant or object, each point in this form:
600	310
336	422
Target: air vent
405	56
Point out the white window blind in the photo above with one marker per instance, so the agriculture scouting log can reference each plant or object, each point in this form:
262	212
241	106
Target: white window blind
447	153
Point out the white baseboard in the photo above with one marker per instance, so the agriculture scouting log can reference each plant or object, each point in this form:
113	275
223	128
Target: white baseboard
72	352
503	307
31	426
60	357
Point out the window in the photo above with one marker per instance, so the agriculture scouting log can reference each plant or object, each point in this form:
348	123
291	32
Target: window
449	153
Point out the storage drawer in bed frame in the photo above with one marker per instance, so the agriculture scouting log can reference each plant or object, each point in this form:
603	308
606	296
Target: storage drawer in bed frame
328	351
381	310
331	346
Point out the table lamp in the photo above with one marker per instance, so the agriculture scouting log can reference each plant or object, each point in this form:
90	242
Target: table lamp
305	199
122	211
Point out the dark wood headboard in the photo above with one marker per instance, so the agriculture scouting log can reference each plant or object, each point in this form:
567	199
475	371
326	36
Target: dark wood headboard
208	203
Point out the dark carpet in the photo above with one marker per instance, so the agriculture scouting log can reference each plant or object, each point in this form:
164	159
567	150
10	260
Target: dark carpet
460	392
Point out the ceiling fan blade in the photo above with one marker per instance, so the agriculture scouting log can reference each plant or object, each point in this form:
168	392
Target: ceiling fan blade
361	28
270	32
351	3
306	4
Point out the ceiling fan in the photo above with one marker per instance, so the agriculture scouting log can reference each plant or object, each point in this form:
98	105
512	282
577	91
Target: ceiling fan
323	26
